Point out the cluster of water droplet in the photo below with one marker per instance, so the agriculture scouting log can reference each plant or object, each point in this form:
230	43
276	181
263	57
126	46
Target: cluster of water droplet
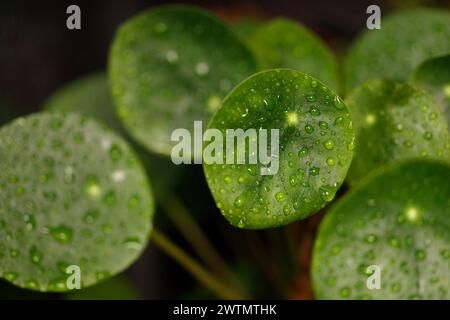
72	193
316	143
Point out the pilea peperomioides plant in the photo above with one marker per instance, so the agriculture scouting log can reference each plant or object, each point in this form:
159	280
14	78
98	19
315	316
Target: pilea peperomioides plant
74	188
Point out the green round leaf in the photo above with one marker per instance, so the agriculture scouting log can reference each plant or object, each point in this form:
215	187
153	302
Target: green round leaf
397	220
89	96
434	76
283	43
171	66
315	149
394	122
405	40
72	193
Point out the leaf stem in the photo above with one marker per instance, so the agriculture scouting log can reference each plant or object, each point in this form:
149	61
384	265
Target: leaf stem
193	267
191	231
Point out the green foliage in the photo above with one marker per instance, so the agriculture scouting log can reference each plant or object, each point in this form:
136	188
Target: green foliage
171	66
394	121
434	76
283	43
89	96
405	40
72	193
316	142
397	219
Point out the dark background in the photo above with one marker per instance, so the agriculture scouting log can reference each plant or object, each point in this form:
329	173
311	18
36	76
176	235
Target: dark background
38	54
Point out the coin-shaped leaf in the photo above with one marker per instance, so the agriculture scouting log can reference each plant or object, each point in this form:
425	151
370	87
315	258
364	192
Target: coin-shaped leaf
393	122
72	194
283	43
405	40
308	160
388	238
89	96
434	76
170	66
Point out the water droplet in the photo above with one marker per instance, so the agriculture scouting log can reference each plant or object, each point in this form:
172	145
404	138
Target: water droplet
241	224
239	202
91	216
327	193
420	254
309	128
110	198
337	102
62	233
331	161
310	98
293	180
328	144
345	292
314	111
36	256
323	125
314	171
394	242
10	276
427	135
280	196
115	153
303	152
370	238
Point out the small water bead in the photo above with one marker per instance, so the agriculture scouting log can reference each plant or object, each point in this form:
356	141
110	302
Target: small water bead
314	171
331	162
314	111
239	202
115	152
433	116
293	180
110	198
309	128
323	125
36	256
30	222
420	254
337	102
310	98
91	216
394	242
427	135
31	284
351	145
329	144
370	238
62	234
327	193
10	276
280	196
303	152
227	179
